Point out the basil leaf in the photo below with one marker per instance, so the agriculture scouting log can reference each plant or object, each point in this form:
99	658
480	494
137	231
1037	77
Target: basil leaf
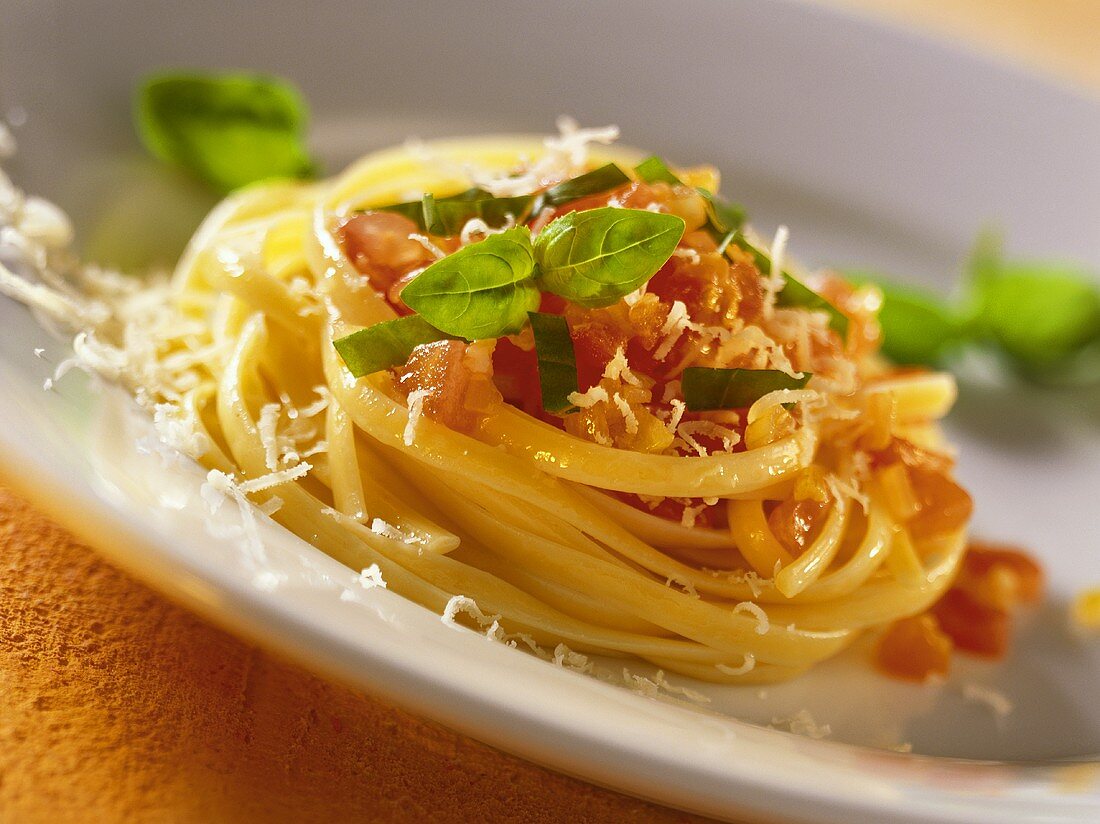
722	217
654	170
794	292
556	359
483	290
705	388
447	216
595	257
385	344
1040	316
918	327
603	179
229	130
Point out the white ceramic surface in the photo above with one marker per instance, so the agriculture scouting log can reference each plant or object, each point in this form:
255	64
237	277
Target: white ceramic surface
875	146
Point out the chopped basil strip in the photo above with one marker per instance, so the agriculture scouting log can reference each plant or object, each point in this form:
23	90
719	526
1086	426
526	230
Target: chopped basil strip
483	290
385	344
603	179
918	327
794	292
228	129
446	216
654	170
597	256
705	388
722	217
556	359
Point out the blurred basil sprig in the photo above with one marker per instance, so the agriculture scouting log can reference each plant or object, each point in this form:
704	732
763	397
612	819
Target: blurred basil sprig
229	129
1042	319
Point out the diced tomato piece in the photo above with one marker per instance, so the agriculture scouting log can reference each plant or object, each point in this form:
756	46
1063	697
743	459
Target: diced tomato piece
440	370
914	649
516	374
378	244
944	505
552	304
705	287
796	524
982	559
599	200
973	626
999	577
594	345
751	289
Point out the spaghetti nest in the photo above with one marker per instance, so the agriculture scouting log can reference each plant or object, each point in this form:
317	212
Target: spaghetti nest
737	544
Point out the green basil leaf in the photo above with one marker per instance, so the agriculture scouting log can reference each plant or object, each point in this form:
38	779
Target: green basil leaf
705	388
655	170
447	216
918	327
229	130
483	290
722	217
794	292
556	359
1039	315
385	344
603	179
595	257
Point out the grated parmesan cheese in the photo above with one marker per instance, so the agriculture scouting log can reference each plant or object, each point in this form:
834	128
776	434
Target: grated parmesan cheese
590	397
802	723
691	514
675	414
630	420
762	623
371	578
416	409
774	283
461	604
568	659
426	242
748	664
673	329
653	687
269	415
841	489
687	586
566	156
999	703
475	227
618	369
750	578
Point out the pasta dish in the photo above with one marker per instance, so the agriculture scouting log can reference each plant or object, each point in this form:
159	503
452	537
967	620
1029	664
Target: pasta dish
559	390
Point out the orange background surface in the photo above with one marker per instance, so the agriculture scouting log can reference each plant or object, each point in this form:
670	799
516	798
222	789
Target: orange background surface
116	705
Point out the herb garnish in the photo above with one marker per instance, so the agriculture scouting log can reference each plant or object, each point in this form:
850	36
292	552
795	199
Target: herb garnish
557	361
597	256
705	388
722	217
446	216
385	344
1042	319
483	290
603	179
229	130
794	292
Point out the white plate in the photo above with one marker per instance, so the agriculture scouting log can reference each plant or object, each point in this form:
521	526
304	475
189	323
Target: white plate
876	147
